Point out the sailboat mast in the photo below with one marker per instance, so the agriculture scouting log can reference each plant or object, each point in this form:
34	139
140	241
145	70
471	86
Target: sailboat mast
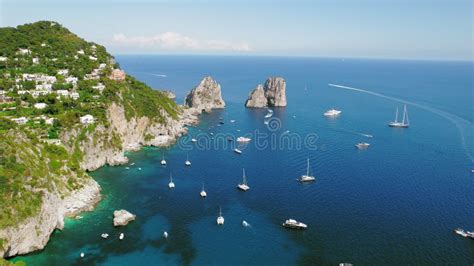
307	168
243	176
404	113
396	115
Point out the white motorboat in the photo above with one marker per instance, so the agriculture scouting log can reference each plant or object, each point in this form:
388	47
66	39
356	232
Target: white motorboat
243	139
187	162
220	219
245	223
165	234
203	192
268	115
104	235
163	161
332	112
237	151
121	236
194	140
293	224
362	145
171	183
82	254
463	233
307	177
243	186
405	122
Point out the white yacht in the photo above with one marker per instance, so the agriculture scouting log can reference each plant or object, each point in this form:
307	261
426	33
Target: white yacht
220	219
194	140
104	235
405	122
362	145
121	236
203	192
165	234
332	112
307	177
293	224
163	161
82	255
171	183
243	139
187	163
237	151
245	223
243	186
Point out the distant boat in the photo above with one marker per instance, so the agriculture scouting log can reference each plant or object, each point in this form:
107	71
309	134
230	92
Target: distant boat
463	233
121	236
104	235
187	162
307	177
245	224
266	122
243	139
243	186
405	122
194	140
171	183
362	145
237	151
268	115
82	255
165	234
163	161
367	135
232	121
203	192
220	219
293	224
332	112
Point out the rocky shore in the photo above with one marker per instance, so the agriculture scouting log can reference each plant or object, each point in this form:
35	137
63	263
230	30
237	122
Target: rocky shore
272	94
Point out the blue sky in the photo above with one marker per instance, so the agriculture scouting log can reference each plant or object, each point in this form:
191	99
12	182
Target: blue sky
416	29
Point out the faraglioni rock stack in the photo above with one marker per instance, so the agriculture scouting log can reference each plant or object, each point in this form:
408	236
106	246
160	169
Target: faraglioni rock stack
273	94
206	96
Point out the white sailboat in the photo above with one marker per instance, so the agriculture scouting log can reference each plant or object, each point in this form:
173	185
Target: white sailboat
405	122
203	192
187	163
171	183
243	186
307	177
163	161
220	219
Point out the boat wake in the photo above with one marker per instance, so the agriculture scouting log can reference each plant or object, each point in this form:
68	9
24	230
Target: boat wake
465	127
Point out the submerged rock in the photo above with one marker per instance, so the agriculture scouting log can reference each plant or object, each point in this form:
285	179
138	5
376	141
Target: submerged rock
273	93
206	96
123	217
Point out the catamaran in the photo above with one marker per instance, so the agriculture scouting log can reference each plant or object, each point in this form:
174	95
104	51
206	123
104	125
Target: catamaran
362	145
405	122
203	192
171	184
307	177
163	161
187	163
220	219
243	186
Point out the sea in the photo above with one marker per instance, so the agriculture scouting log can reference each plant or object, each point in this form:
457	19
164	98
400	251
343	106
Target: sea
395	203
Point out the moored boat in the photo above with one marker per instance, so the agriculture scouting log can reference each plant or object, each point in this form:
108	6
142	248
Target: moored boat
243	186
293	224
332	112
307	177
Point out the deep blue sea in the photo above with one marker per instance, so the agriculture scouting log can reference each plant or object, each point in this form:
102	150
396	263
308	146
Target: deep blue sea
395	203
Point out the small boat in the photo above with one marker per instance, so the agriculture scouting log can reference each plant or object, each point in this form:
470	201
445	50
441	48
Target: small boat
203	193
268	115
237	151
245	224
243	186
78	217
220	219
194	140
463	233
163	161
243	139
121	236
293	224
332	112
362	145
171	183
307	177
139	168
367	135
128	168
187	162
165	234
82	254
132	164
232	121
104	235
221	122
212	134
405	122
266	122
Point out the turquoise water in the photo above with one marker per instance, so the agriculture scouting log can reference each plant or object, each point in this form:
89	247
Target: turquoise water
395	203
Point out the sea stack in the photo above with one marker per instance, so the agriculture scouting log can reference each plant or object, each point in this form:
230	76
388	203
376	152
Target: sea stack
272	94
206	96
123	217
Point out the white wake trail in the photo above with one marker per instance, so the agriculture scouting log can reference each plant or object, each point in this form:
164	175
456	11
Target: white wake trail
464	126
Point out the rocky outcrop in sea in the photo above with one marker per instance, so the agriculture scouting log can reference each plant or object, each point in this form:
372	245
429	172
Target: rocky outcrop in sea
123	217
206	96
272	94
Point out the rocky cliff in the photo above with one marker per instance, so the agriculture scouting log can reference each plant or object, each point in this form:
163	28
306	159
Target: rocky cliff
273	93
206	96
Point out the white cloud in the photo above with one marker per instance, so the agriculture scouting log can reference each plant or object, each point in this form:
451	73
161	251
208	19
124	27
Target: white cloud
177	41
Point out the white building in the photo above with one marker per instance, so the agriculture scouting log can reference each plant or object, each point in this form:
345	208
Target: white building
64	93
102	66
100	87
35	60
87	119
80	51
49	121
63	72
37	93
71	80
21	92
20	121
24	51
3	59
44	86
40	105
74	95
92	58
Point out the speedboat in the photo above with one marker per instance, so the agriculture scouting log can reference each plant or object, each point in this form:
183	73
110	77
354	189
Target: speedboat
332	112
243	139
460	232
243	186
307	177
171	183
237	151
220	219
293	224
362	145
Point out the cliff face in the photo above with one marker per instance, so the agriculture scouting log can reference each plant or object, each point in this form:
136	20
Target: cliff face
206	96
273	93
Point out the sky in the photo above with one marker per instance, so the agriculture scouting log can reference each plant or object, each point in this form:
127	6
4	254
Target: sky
396	29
